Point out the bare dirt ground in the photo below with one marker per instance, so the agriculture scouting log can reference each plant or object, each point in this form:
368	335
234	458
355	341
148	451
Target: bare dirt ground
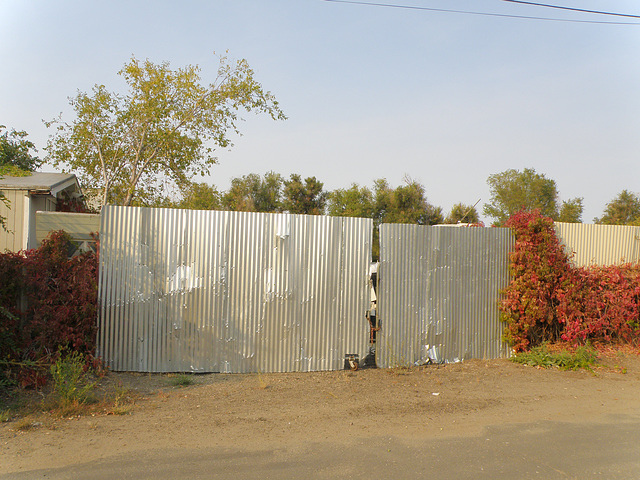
284	413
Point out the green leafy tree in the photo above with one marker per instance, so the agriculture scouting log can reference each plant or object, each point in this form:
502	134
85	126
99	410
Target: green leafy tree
200	196
461	213
513	191
622	210
16	155
404	204
252	193
16	160
163	131
354	201
305	197
571	211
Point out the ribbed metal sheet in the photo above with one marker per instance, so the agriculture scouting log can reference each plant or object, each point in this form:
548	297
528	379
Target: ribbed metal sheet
600	244
438	293
234	292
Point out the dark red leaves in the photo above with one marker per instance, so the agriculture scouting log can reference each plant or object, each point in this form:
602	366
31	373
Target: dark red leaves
549	299
47	301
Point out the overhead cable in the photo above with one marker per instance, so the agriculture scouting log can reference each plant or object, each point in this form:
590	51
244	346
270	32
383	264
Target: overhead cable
486	14
598	12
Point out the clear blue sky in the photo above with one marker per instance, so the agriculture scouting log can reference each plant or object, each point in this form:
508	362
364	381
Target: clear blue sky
370	92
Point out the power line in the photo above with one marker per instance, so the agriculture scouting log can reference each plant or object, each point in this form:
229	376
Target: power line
573	9
485	14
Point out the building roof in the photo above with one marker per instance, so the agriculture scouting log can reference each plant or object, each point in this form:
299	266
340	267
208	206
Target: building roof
41	181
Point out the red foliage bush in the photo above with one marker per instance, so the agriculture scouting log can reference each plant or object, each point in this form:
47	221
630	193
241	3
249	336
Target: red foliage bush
61	296
10	288
602	304
47	301
549	299
538	267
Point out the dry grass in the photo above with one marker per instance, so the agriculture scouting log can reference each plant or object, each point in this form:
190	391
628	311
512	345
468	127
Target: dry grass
32	421
121	402
262	383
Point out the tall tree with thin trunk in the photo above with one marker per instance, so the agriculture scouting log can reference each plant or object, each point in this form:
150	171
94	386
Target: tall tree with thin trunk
162	132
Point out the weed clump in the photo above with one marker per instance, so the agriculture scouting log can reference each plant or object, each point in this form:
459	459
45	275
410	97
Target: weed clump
5	415
181	380
584	357
72	386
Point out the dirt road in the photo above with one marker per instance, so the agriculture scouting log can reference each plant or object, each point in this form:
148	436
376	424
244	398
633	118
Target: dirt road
477	419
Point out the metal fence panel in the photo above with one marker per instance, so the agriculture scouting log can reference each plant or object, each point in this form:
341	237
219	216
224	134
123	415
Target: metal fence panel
438	293
600	244
213	291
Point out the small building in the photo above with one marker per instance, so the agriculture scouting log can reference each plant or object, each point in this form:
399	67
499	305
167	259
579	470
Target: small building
48	192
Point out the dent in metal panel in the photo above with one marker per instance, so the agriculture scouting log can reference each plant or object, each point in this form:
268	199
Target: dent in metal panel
438	293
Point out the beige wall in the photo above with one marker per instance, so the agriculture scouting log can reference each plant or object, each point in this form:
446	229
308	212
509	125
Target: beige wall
21	219
14	214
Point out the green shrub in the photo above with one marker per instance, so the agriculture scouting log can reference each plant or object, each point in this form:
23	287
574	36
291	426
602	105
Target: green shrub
72	386
543	356
181	380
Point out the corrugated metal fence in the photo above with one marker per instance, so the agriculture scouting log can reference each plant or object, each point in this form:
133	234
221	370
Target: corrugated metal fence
600	244
438	293
213	291
240	292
